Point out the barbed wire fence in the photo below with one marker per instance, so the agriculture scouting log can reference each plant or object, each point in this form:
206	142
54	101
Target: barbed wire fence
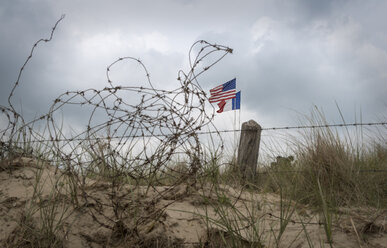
122	141
125	141
224	131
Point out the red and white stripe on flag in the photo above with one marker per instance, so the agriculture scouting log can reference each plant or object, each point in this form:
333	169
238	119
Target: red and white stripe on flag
223	92
232	104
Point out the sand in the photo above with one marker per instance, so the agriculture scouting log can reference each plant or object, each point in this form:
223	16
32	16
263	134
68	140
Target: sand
183	216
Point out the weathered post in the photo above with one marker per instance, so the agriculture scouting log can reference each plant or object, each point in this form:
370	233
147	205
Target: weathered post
248	149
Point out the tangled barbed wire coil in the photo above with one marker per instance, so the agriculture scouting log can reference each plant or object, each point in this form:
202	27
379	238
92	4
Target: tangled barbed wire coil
151	133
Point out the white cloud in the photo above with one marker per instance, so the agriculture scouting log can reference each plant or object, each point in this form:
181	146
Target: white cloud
262	31
116	42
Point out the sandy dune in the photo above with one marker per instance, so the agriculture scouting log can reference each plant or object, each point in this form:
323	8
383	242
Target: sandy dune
188	217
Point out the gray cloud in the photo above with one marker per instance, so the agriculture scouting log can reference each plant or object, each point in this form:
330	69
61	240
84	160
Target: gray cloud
288	55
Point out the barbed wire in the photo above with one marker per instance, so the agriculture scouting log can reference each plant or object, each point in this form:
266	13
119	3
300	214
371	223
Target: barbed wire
215	132
176	115
301	171
175	118
327	126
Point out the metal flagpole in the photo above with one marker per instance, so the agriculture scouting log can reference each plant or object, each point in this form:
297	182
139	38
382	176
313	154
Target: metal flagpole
239	122
240	101
235	134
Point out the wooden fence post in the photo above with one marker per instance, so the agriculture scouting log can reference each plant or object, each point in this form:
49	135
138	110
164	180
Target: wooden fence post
248	149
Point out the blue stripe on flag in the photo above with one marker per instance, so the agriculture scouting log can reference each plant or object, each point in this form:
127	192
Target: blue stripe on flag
230	85
236	102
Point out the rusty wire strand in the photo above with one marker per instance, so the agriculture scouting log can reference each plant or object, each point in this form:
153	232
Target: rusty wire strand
75	138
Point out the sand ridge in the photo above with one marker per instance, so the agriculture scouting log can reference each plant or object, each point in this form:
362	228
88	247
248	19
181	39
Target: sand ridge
183	217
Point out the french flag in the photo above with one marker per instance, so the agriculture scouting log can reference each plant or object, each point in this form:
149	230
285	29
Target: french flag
231	104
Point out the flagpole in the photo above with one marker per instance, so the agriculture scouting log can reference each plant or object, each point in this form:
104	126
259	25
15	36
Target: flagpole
235	137
239	122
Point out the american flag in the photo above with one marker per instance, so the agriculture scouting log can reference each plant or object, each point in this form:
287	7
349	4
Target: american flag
223	92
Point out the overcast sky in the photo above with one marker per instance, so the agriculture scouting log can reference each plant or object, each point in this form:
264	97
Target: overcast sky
288	55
